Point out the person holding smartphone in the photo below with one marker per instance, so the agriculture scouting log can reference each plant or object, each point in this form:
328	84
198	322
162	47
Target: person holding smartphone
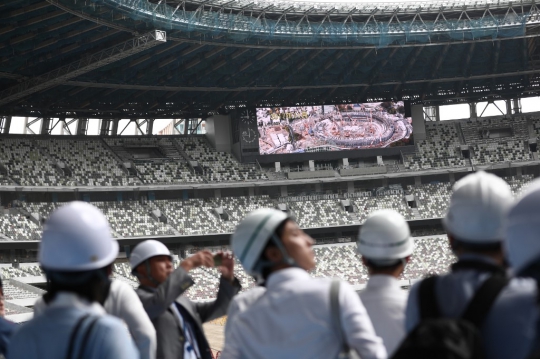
178	321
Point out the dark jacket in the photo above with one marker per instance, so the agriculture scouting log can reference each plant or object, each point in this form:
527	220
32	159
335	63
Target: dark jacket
170	334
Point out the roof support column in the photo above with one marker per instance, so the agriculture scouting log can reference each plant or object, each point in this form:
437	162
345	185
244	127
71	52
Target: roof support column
5	124
149	126
472	110
105	127
46	126
82	126
114	129
517	106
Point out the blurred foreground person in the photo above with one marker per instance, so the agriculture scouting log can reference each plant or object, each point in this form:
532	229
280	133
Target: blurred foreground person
523	241
240	303
76	248
294	317
385	244
122	302
6	327
478	289
177	320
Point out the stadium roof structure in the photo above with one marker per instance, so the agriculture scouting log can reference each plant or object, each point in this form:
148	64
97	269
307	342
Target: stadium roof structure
173	58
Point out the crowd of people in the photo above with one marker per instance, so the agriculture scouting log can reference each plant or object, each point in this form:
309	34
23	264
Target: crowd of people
486	306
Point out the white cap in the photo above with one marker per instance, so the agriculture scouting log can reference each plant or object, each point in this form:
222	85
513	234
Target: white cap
77	237
146	250
385	236
478	208
253	233
523	229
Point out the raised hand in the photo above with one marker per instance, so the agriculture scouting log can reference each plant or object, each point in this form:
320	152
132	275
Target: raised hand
199	259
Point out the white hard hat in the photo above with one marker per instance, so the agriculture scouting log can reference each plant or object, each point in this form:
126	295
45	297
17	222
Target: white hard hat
252	234
385	235
478	208
146	250
523	229
77	237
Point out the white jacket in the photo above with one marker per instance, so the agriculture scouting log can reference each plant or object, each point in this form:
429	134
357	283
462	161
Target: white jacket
385	303
292	319
240	303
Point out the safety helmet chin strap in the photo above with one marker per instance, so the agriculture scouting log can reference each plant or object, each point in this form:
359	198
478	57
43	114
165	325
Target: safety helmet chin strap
148	274
287	259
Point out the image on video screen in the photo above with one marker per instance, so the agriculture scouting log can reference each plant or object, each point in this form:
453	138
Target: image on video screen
333	127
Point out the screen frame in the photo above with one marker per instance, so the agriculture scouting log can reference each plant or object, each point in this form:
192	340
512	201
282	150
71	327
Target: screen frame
407	114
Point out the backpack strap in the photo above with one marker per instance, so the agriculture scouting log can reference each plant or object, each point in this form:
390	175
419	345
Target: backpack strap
74	335
82	350
336	314
429	308
484	298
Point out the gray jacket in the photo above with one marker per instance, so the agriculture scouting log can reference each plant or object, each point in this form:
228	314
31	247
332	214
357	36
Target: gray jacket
170	334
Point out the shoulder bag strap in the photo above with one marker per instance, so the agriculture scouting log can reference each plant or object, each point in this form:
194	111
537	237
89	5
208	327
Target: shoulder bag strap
73	336
336	314
427	299
484	298
82	350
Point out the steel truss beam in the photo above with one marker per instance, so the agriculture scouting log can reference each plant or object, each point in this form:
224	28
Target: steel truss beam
51	125
292	87
302	20
87	64
28	124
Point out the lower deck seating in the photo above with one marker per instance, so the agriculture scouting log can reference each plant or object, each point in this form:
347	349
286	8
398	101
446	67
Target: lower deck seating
432	255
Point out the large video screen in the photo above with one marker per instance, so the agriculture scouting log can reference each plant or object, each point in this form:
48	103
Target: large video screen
333	127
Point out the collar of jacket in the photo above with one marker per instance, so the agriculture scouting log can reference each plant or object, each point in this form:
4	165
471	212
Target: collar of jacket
382	281
285	275
66	299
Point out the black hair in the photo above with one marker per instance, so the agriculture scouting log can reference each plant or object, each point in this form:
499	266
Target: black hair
278	232
477	248
92	285
386	267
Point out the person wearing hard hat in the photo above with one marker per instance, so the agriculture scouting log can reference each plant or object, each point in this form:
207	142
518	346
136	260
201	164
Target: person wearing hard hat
293	318
385	244
76	249
523	241
475	224
177	320
122	302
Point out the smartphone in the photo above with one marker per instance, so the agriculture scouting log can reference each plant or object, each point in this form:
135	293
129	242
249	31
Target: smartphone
218	259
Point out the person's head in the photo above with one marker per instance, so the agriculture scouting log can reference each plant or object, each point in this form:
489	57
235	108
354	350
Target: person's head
522	242
268	240
385	243
476	215
76	252
151	262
